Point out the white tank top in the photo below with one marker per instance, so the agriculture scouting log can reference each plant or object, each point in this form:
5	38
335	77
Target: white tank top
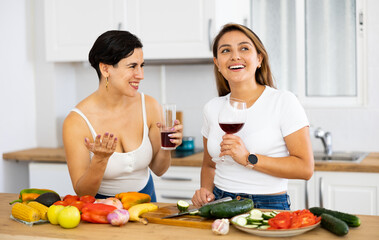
126	171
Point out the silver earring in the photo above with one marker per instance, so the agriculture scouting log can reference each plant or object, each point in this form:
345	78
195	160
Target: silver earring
106	84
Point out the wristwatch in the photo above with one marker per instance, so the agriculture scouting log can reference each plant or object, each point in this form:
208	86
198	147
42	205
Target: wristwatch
252	159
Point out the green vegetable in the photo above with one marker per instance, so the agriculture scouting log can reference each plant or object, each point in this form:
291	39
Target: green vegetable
205	211
351	220
182	205
30	194
334	225
231	208
254	219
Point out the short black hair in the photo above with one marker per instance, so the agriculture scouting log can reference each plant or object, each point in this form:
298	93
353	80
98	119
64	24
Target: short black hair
112	46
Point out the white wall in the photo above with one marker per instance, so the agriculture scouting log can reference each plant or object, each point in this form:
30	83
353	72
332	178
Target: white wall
17	91
35	96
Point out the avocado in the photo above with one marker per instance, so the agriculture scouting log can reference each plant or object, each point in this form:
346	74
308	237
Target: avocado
48	198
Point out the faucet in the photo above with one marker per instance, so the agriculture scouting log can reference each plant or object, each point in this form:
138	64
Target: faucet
326	138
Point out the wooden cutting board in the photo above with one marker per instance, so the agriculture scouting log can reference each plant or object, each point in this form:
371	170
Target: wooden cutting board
183	221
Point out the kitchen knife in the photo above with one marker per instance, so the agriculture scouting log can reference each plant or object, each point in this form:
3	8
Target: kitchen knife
225	199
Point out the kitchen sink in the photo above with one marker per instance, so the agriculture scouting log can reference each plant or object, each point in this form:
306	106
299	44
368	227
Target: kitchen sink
351	157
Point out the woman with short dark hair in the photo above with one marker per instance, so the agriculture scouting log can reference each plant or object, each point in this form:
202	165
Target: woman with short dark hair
112	138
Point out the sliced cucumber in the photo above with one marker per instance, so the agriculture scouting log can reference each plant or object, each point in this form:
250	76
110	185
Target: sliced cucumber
255	219
182	205
252	226
268	215
255	213
263	226
242	221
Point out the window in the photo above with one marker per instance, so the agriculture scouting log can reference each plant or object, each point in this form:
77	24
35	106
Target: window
316	48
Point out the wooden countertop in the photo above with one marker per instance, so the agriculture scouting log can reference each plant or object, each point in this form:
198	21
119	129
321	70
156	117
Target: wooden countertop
10	229
56	155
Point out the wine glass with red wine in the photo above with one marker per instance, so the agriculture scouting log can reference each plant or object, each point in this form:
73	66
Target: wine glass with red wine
232	117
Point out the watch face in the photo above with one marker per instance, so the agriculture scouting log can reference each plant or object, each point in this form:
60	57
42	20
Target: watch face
253	159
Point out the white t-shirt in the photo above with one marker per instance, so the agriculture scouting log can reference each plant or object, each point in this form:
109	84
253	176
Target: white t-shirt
273	116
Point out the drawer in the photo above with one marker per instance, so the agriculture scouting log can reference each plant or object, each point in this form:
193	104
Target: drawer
178	183
173	195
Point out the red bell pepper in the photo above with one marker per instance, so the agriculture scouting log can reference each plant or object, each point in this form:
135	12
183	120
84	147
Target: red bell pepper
70	198
96	212
87	199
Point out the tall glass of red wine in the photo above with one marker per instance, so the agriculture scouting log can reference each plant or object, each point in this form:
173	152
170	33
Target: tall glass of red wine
231	118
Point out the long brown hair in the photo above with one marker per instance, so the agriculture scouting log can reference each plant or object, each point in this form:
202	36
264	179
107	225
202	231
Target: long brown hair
263	74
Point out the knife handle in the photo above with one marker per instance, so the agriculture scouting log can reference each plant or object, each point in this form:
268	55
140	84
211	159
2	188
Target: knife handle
225	199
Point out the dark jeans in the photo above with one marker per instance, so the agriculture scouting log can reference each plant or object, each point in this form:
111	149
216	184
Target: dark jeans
279	202
148	189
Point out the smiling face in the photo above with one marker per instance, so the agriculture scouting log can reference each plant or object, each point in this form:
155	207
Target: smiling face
237	58
126	76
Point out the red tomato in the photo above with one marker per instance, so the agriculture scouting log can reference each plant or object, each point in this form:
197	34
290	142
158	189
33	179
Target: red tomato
78	204
296	221
307	219
87	199
63	203
70	198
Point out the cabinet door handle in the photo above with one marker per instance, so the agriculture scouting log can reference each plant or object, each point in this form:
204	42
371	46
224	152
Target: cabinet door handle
209	34
175	197
321	190
176	179
306	197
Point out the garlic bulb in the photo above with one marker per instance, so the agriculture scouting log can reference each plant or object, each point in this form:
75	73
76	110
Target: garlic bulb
220	226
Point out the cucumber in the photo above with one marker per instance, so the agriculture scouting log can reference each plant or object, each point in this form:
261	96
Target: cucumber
205	211
334	225
231	208
255	213
182	205
241	221
351	220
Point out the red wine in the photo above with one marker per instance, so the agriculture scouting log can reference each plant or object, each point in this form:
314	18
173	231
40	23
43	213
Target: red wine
231	128
165	140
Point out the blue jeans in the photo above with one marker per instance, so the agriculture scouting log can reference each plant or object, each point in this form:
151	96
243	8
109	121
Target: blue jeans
279	202
148	189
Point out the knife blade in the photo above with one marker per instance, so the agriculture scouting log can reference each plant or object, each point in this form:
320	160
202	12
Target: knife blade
225	199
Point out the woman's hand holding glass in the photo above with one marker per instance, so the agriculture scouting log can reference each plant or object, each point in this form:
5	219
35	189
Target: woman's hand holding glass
171	129
231	119
234	147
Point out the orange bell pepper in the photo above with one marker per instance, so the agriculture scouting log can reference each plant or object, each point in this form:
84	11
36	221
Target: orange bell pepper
129	199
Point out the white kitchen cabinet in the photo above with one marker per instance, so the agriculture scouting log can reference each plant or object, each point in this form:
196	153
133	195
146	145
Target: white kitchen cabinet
71	27
352	192
54	176
178	183
168	29
298	190
171	29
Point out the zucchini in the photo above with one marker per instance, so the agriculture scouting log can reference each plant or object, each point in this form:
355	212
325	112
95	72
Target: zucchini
231	208
351	220
334	225
182	205
205	211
